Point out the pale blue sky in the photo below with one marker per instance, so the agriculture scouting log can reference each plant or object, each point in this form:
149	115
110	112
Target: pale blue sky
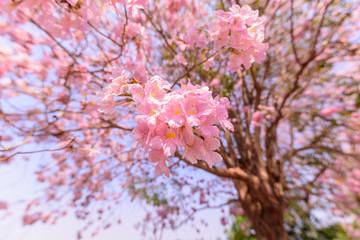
17	182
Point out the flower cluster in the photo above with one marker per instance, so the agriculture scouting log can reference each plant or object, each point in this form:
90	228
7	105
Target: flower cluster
117	86
243	31
186	119
263	114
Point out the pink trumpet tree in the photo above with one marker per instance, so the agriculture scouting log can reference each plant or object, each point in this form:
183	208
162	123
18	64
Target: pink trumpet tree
252	102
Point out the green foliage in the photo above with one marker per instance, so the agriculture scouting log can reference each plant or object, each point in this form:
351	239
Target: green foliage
237	233
357	101
150	197
300	225
335	232
220	5
227	84
323	65
167	55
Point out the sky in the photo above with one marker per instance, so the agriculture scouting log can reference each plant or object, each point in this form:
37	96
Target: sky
18	183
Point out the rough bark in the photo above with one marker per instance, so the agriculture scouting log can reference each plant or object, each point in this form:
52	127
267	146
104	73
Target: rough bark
265	212
268	223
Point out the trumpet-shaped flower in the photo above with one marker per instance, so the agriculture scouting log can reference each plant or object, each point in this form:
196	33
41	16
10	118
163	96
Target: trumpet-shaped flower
242	31
185	119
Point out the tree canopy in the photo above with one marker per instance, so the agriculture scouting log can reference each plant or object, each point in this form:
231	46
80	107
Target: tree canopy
187	105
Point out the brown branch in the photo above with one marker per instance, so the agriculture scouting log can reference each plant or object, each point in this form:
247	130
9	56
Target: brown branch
5	159
232	173
318	30
103	34
293	45
18	145
53	38
312	145
160	31
205	208
192	68
307	187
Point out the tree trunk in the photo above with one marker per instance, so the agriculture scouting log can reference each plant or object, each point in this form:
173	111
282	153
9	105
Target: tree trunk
269	225
265	213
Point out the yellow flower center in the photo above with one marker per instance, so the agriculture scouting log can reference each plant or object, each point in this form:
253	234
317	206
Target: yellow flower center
192	111
170	135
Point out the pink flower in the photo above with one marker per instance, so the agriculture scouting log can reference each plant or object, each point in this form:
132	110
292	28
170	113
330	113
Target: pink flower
140	73
173	112
215	83
138	3
243	31
241	58
207	127
196	38
106	104
221	38
168	121
221	112
31	219
157	156
118	84
210	145
187	135
257	118
209	64
73	2
166	139
161	168
156	88
142	132
196	110
116	87
3	205
196	151
175	5
137	92
327	112
181	59
224	221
